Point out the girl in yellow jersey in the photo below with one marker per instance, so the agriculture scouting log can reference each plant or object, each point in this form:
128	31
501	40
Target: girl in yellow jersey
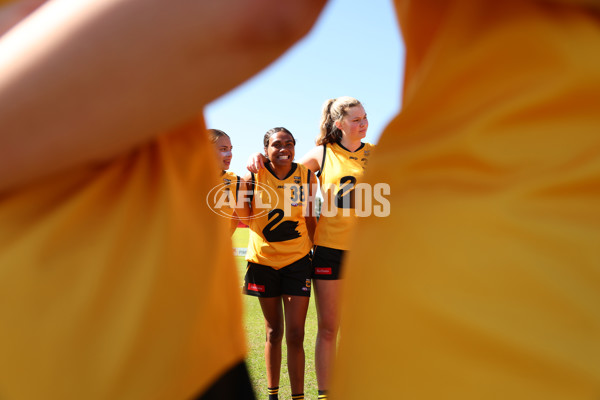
225	199
281	231
340	159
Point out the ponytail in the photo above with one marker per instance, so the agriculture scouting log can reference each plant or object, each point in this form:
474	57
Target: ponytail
333	110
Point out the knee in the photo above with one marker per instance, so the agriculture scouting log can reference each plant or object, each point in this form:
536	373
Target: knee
328	332
275	334
295	337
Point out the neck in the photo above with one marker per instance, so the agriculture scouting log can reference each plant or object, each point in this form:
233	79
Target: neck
281	171
350	144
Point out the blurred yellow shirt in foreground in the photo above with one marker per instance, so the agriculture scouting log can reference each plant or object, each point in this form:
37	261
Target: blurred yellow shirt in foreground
484	282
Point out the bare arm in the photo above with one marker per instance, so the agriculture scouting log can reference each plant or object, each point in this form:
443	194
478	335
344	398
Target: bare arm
310	218
83	81
244	209
13	13
312	160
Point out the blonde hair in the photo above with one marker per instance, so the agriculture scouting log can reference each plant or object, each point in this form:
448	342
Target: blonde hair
334	110
215	134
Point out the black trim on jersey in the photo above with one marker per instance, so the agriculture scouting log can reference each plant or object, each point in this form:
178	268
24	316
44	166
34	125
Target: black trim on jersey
232	385
318	174
361	146
292	170
237	188
251	187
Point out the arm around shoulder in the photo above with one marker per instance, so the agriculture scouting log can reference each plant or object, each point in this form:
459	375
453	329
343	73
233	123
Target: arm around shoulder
310	214
313	159
244	199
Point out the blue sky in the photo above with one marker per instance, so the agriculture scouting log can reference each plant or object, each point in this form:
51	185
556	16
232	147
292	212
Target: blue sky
354	49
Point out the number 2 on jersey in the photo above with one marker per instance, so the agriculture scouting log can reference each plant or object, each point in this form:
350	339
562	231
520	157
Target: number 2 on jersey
344	198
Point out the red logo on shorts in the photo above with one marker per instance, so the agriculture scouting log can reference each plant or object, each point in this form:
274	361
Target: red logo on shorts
323	271
256	288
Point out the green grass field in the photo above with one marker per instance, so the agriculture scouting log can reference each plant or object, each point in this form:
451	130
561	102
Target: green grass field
255	333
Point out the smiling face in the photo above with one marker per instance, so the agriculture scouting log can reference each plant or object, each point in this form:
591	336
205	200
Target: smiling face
281	149
354	124
223	148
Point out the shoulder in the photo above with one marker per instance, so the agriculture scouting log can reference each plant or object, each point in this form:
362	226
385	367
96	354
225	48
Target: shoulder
230	175
314	158
303	169
367	148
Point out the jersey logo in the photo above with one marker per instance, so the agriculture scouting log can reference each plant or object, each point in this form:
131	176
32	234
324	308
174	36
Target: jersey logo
282	232
323	271
256	288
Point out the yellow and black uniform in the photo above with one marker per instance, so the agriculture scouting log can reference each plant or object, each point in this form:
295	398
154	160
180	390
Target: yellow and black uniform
341	170
109	286
225	199
487	269
278	234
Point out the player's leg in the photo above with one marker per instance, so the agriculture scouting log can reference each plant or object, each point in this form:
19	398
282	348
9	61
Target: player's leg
326	273
296	308
273	313
327	293
263	282
295	283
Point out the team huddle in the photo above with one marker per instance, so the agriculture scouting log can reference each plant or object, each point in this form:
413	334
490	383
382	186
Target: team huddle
280	212
117	282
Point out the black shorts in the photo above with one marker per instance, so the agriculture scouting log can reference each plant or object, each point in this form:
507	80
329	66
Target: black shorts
265	281
327	263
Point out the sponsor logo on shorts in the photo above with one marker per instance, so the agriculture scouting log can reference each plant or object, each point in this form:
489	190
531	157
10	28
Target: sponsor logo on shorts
256	288
323	271
308	283
306	289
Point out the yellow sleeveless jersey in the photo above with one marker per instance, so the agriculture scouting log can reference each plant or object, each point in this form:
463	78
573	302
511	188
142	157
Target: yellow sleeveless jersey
226	196
341	170
117	281
278	234
486	274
